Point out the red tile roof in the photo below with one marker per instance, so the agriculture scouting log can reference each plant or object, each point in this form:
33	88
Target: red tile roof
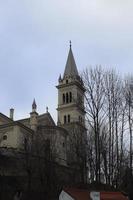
80	194
112	196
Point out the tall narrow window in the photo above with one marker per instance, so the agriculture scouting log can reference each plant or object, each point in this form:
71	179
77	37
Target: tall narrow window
70	94
68	118
67	100
64	119
25	144
4	137
63	98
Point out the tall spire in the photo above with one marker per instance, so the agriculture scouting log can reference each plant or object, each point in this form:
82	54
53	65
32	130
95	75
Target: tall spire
71	68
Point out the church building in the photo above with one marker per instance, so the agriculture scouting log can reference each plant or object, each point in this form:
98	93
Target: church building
66	138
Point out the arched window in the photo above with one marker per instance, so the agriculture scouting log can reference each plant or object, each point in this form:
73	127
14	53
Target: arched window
64	119
63	98
70	95
4	137
66	81
68	118
67	99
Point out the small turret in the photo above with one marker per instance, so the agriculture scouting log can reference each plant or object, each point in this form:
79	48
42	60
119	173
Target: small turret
59	79
34	106
11	113
47	109
34	116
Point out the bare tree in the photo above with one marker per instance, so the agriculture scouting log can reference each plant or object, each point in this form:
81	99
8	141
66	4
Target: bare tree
94	98
77	146
129	106
106	110
45	157
113	106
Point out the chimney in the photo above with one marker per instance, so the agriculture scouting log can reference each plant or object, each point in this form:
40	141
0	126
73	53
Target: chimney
11	113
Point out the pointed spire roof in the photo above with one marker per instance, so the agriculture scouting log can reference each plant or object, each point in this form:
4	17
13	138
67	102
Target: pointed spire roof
71	68
59	79
34	106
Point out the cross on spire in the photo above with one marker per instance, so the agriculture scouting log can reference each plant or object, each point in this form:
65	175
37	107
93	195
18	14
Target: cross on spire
70	43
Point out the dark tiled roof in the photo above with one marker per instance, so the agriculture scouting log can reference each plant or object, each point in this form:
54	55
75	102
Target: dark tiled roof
5	117
46	119
14	123
71	68
43	119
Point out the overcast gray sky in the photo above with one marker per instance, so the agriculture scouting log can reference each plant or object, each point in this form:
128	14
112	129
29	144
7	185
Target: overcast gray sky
34	43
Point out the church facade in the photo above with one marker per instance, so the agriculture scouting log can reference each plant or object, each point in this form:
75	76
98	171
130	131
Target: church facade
67	138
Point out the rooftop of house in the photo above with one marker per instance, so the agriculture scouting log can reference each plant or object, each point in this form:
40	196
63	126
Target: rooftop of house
84	194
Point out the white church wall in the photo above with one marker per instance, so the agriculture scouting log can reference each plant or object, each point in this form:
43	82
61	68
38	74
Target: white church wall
13	137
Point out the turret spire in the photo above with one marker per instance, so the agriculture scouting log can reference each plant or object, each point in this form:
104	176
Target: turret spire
59	79
34	116
71	68
34	106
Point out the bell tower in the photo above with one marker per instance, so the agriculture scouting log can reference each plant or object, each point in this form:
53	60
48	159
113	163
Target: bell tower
71	115
70	95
